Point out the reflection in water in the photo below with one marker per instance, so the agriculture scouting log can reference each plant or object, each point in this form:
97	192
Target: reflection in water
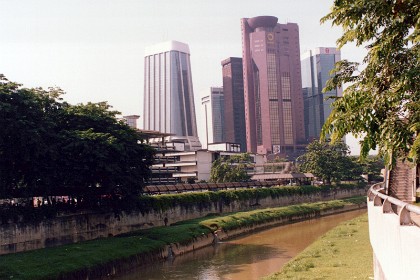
250	257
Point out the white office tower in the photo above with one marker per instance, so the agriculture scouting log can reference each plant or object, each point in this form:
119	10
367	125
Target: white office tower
168	93
213	108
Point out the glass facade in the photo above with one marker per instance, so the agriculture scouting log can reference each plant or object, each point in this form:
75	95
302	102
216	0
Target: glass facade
287	108
273	97
218	110
214	110
272	86
316	67
233	92
168	91
258	117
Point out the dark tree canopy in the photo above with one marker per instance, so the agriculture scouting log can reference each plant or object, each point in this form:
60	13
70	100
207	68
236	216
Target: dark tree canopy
48	146
382	104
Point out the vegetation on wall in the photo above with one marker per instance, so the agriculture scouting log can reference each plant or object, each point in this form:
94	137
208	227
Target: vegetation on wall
206	199
163	202
94	256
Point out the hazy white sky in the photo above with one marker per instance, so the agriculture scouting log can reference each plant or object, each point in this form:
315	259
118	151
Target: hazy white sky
94	49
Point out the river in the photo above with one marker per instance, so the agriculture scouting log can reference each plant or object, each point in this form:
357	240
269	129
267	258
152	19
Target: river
246	258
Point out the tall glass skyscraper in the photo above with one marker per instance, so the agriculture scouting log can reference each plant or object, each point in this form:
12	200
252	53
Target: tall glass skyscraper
272	86
213	107
316	67
168	93
233	90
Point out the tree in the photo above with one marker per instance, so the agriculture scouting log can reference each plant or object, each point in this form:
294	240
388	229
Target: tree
49	147
382	104
100	151
27	135
329	162
372	167
230	168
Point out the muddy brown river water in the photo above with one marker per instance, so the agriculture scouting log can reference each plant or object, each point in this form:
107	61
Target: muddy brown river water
246	258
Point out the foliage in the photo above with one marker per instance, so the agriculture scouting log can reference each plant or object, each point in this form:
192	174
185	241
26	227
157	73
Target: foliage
371	166
249	218
63	261
49	147
230	168
205	199
278	165
329	161
382	104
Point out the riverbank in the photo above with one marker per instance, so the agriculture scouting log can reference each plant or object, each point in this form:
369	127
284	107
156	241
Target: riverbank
102	257
342	253
25	233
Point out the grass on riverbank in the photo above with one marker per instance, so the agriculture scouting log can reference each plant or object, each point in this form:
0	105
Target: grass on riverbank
241	219
51	263
342	253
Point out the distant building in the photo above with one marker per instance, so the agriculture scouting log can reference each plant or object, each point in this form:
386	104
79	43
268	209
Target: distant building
168	93
213	109
172	164
272	87
131	120
233	89
224	147
316	66
176	167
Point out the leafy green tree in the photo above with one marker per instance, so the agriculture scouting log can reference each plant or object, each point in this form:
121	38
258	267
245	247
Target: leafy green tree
100	151
329	162
371	166
27	135
49	147
382	104
230	168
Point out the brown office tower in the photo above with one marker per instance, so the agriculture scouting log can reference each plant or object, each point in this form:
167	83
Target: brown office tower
272	87
233	88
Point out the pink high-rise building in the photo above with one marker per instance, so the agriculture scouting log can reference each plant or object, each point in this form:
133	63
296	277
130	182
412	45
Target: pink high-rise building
272	86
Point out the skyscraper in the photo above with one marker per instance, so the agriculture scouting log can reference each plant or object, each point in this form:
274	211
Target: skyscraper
213	107
168	92
272	86
233	88
316	65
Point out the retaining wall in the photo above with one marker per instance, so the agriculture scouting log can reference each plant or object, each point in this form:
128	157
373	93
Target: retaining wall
394	231
118	267
17	237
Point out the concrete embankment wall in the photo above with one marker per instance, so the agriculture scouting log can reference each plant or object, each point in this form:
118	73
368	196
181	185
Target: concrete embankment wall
395	244
120	266
17	237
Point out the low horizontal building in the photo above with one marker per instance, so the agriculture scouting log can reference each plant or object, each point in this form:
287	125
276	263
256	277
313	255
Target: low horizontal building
193	166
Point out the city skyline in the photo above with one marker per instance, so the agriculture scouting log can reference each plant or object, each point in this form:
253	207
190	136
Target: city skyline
94	50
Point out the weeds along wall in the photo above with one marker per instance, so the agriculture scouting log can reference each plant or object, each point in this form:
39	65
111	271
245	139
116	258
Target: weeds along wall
160	210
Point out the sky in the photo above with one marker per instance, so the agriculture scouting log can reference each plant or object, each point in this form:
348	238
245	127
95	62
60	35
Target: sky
94	49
